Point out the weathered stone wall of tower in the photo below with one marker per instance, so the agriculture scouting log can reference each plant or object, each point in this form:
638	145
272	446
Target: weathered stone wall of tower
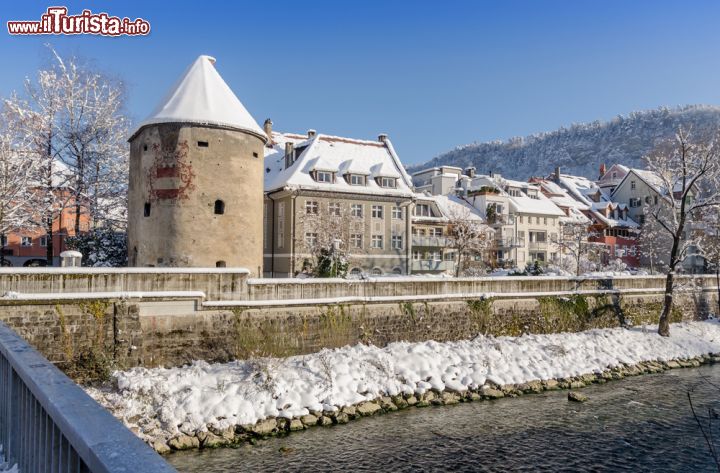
177	173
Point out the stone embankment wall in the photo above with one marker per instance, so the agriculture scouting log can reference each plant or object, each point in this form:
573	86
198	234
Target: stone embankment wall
89	322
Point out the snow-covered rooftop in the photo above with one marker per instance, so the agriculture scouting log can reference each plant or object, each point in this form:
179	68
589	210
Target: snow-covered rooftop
201	96
451	207
596	200
342	156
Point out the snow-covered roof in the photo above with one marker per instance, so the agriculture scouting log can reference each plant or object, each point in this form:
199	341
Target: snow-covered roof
201	96
560	197
519	203
451	207
582	188
336	154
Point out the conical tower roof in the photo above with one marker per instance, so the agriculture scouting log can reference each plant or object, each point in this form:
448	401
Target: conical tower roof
201	96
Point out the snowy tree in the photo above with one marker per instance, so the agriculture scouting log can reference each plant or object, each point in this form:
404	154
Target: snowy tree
18	174
468	236
36	116
687	170
101	247
653	244
573	243
709	247
93	135
324	232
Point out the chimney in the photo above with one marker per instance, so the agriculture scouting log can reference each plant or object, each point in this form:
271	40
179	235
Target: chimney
311	133
289	154
603	170
470	171
557	174
382	137
267	127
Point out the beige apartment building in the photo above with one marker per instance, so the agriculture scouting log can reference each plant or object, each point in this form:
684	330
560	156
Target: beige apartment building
327	191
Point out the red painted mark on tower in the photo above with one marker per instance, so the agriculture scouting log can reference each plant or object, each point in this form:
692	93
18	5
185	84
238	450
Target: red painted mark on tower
171	176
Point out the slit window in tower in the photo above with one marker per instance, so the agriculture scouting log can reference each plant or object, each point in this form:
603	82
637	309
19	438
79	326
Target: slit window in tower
203	144
219	207
146	210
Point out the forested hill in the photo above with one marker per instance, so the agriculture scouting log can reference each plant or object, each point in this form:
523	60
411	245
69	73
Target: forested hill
580	148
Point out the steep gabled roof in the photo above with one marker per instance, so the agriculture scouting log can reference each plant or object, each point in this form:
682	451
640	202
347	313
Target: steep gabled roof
201	96
337	154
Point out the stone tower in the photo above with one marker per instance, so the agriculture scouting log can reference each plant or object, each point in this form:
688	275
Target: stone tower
196	179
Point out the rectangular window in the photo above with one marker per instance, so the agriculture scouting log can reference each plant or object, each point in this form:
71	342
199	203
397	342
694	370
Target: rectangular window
356	210
356	240
397	213
435	255
377	211
334	208
44	241
632	184
203	144
324	176
376	242
357	180
281	225
436	232
25	241
311	239
521	219
544	220
3	241
397	242
422	210
390	182
311	207
417	254
266	219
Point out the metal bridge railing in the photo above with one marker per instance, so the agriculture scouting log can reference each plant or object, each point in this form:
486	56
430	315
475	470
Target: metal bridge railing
49	424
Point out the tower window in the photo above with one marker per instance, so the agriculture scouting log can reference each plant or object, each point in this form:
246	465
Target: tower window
220	264
255	155
146	210
203	144
219	207
144	147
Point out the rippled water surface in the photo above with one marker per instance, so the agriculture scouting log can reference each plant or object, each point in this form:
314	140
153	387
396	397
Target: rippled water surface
637	424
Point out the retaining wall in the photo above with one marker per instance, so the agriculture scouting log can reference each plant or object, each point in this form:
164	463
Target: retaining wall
89	333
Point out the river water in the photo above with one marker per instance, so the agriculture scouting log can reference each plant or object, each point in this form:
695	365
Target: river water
638	424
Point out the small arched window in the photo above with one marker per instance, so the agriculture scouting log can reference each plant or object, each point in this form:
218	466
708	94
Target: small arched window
376	271
220	264
219	207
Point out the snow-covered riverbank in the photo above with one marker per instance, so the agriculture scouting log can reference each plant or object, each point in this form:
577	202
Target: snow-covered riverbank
161	404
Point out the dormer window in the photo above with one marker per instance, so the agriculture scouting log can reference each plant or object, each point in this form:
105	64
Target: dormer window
355	179
388	182
324	176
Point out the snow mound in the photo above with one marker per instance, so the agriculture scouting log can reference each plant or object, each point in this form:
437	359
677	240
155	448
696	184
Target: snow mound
190	398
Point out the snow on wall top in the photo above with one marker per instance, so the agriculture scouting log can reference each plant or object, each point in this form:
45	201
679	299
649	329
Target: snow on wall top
335	154
201	96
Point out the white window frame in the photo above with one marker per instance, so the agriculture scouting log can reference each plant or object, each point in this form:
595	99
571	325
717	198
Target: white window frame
356	240
388	182
44	241
356	180
377	211
25	241
312	207
397	212
377	242
396	242
334	209
311	239
324	176
357	210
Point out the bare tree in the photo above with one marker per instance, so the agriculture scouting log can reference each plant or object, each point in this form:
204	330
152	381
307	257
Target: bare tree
326	230
709	248
573	242
687	172
468	236
653	244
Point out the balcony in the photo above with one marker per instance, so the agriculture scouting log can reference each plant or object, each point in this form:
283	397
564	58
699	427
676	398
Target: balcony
420	265
510	242
538	245
502	219
430	241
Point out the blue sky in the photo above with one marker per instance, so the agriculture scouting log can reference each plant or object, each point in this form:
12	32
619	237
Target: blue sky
432	75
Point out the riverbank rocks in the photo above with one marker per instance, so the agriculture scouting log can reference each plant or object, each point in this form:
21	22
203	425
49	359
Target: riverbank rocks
368	408
217	437
264	427
576	397
295	425
492	393
183	442
309	420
